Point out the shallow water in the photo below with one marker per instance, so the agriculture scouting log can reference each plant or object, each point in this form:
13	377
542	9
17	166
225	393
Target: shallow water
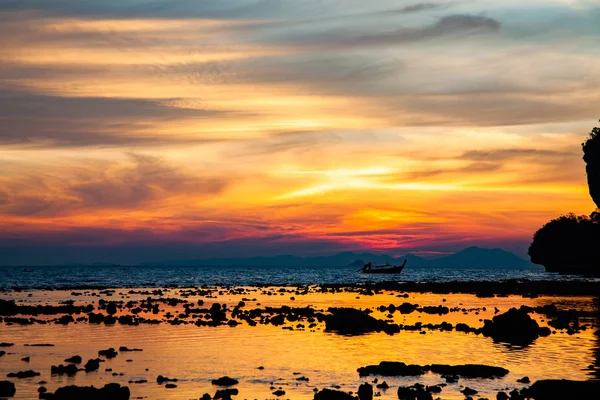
145	276
195	355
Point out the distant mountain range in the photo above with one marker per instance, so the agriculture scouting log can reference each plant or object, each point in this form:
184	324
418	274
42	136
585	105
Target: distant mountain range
471	257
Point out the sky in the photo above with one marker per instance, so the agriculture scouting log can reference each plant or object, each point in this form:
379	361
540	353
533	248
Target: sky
140	130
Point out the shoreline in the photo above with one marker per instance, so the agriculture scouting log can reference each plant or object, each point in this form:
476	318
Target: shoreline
483	288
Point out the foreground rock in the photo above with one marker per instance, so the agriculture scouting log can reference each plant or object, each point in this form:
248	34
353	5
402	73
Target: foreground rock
414	392
515	327
329	394
225	381
350	321
391	368
469	370
554	389
225	394
112	391
23	374
365	392
7	389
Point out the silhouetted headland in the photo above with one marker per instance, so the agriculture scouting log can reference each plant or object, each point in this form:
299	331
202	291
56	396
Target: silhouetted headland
569	243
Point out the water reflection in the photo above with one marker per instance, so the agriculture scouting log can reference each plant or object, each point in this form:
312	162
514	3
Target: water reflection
195	355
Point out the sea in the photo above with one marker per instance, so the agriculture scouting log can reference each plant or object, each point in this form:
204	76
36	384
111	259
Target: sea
65	277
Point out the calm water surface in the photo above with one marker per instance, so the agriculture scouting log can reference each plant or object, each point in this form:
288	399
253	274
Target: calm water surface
195	355
136	276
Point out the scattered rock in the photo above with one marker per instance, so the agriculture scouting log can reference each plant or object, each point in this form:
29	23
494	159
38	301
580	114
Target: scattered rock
554	389
112	391
124	349
329	394
108	353
92	365
70	369
170	386
279	393
365	392
224	381
391	368
414	392
350	321
26	359
467	391
502	396
225	394
469	370
23	374
7	389
74	360
514	327
162	379
524	379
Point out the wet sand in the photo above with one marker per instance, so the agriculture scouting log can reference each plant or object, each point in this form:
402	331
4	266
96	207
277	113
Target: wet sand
175	347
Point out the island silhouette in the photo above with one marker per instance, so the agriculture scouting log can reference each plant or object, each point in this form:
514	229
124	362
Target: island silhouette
569	243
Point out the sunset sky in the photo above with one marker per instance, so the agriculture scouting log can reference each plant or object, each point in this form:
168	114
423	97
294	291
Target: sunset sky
139	130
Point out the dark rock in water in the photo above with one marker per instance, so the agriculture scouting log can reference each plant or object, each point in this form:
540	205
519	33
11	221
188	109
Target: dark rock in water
42	389
108	353
7	389
516	395
469	370
502	396
434	389
278	320
111	308
414	392
554	389
95	318
74	360
524	379
391	368
514	327
5	344
329	394
23	374
92	365
170	386
224	381
279	393
128	320
383	385
70	369
451	378
26	359
112	391
2	352
225	394
407	308
365	392
206	396
350	321
467	391
162	379
65	320
124	349
302	378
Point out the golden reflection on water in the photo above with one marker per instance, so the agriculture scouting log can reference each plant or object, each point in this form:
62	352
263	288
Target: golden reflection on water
195	355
